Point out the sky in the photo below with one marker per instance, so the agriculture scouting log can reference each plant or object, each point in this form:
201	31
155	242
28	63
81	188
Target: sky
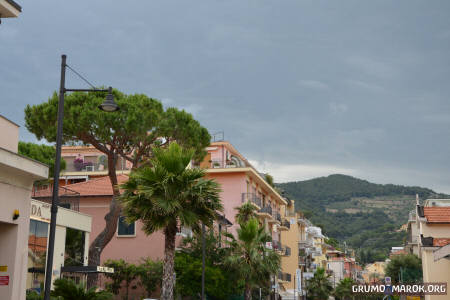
301	88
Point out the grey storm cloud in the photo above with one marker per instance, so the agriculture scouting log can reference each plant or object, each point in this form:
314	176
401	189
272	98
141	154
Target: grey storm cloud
302	88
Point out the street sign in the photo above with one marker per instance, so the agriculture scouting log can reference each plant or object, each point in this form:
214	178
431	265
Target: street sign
4	280
387	281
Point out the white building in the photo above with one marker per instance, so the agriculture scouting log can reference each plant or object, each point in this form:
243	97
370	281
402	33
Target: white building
17	174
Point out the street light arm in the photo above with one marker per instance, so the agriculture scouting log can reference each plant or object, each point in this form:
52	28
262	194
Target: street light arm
86	90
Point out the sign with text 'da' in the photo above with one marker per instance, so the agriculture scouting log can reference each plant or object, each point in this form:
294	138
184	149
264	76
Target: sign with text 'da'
4	280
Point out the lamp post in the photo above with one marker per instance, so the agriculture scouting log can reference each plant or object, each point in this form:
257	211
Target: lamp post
108	105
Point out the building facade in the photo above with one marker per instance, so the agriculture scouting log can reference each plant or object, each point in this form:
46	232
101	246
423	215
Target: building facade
17	174
433	222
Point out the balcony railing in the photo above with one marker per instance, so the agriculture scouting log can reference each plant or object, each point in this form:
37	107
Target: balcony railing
266	209
303	244
287	251
221	164
291	214
286	223
276	245
284	276
276	215
252	198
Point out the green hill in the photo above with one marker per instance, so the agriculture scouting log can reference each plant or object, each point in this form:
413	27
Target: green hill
365	215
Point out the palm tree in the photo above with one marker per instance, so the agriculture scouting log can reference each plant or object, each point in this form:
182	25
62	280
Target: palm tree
343	290
319	287
245	212
166	194
68	290
250	260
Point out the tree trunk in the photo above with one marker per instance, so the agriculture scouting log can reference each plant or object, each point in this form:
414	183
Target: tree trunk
248	292
111	219
168	281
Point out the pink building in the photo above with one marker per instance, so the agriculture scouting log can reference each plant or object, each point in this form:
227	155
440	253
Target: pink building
86	174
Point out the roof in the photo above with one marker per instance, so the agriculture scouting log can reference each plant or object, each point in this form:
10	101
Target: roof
95	187
5	118
16	6
440	242
437	214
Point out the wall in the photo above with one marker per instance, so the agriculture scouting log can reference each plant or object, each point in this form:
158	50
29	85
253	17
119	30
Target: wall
9	135
233	184
289	264
435	271
131	249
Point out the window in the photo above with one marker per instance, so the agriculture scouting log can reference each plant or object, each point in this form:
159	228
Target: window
37	253
125	229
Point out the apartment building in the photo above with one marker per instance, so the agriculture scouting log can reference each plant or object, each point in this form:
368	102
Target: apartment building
291	276
86	174
433	235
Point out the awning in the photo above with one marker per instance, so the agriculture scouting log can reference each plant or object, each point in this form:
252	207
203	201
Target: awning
86	269
443	252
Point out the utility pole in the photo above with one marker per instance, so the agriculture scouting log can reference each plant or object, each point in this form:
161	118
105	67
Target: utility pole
203	261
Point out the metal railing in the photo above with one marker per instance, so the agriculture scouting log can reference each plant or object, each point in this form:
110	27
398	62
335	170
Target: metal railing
251	197
305	244
284	276
287	251
276	215
276	245
290	214
221	164
266	209
286	223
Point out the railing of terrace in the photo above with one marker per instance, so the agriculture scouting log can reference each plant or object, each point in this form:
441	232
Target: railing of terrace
276	215
251	197
266	209
286	223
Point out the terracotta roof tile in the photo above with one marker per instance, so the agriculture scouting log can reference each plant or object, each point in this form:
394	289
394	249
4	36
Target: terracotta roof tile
95	187
440	242
437	214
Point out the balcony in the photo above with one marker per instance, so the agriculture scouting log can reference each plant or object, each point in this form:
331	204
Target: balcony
252	198
304	244
284	277
91	164
285	225
265	212
276	217
276	245
291	214
224	164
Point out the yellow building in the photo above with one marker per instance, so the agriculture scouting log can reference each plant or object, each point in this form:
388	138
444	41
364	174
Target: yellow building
374	272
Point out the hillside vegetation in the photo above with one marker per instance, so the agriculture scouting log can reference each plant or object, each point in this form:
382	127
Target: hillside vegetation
365	215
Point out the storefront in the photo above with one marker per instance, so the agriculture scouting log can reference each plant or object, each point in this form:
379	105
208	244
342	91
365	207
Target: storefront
71	242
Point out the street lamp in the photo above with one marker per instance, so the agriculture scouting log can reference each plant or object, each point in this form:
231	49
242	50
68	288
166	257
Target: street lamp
109	106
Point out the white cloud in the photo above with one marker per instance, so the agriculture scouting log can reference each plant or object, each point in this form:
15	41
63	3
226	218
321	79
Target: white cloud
296	172
338	108
373	67
313	84
364	85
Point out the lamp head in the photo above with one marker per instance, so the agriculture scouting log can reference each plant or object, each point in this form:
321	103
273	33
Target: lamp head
109	105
